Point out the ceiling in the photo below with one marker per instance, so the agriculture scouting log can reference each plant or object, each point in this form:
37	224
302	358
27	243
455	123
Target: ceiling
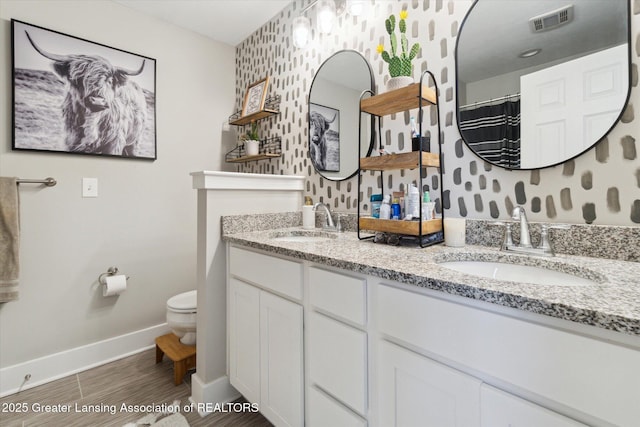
496	31
227	21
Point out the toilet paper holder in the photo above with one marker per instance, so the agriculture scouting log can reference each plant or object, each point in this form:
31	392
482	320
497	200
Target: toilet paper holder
111	271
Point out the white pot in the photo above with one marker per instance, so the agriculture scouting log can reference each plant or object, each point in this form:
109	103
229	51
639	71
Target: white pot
398	82
252	147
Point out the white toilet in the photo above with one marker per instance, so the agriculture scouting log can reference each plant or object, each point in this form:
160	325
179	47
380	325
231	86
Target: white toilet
181	316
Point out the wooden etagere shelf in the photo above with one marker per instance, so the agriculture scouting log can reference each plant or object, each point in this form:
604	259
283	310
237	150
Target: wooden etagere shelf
408	228
400	161
415	96
399	100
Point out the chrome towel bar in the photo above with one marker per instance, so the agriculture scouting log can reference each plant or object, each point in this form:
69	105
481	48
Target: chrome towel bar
49	182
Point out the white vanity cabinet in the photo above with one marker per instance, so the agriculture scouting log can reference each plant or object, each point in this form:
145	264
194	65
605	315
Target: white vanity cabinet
379	353
265	334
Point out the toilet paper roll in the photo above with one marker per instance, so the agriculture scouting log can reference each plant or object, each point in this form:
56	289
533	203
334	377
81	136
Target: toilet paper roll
114	285
308	217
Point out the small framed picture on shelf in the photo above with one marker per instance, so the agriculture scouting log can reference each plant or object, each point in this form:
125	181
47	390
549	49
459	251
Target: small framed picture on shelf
255	97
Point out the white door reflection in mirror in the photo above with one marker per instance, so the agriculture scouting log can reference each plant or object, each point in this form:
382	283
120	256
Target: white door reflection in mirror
566	107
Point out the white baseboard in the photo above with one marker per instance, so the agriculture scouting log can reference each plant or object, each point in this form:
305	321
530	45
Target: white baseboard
217	391
58	365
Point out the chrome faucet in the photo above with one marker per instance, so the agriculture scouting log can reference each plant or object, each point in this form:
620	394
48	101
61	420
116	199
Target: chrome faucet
329	225
519	214
525	246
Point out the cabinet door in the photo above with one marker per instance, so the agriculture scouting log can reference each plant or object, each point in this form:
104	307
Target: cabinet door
281	361
244	339
416	391
500	409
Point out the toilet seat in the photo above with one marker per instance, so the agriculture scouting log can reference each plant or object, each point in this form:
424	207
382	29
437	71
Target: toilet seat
185	302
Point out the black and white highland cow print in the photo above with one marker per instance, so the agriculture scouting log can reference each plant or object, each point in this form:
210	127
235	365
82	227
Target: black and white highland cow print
87	104
324	137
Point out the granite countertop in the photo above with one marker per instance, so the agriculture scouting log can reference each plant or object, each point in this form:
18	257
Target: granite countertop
612	303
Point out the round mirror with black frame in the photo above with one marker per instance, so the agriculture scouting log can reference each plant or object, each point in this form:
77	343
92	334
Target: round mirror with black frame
540	82
334	114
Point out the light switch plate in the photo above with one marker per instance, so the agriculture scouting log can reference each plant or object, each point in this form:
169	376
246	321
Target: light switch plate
89	187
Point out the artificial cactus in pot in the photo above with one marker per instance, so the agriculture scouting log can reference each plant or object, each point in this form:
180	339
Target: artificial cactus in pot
399	62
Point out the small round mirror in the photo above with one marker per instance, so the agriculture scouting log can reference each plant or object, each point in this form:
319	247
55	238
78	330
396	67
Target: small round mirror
336	126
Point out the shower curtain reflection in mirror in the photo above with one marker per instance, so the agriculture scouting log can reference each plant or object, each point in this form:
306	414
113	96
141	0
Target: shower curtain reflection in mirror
493	130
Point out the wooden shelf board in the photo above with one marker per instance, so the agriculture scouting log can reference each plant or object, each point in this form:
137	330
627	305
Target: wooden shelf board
398	100
254	158
409	228
258	115
400	161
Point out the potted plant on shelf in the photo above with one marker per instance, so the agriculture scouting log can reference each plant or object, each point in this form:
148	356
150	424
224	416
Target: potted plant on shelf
399	64
252	140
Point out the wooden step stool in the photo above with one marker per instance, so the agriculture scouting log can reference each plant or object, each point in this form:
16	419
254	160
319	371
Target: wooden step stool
183	356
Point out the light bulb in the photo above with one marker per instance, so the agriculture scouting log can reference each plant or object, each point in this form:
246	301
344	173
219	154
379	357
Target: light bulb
301	31
356	7
326	15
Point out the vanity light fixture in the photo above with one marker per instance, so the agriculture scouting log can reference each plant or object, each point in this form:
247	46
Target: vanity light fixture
327	11
529	53
326	15
301	31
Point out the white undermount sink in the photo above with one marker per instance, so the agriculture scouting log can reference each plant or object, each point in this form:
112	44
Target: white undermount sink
517	273
302	236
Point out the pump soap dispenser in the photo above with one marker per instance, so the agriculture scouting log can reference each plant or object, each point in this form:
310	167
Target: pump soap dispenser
308	215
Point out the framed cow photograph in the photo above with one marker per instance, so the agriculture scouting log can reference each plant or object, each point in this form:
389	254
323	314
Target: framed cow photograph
324	137
72	95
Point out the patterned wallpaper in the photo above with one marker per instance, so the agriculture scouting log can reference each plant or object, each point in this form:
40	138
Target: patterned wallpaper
602	186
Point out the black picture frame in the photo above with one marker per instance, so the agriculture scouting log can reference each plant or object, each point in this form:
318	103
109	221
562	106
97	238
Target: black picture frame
72	95
324	137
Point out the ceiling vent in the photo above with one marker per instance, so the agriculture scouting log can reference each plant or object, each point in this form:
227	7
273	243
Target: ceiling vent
551	20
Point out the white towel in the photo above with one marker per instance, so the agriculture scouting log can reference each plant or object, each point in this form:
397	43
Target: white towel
9	239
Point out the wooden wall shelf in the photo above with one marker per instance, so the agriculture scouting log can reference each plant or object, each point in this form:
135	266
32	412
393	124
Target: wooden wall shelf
254	117
400	161
271	107
409	228
270	148
399	100
244	159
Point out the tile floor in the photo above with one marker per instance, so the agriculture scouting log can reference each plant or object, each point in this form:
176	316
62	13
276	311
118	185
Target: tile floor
135	380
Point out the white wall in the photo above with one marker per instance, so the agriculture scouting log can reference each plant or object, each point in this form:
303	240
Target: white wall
144	220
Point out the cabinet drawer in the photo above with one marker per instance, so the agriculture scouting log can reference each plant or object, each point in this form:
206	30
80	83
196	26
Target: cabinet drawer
279	275
338	294
324	411
337	360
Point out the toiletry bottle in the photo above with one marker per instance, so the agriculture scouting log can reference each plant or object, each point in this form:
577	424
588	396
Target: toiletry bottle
395	209
385	209
376	202
414	128
413	204
427	207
